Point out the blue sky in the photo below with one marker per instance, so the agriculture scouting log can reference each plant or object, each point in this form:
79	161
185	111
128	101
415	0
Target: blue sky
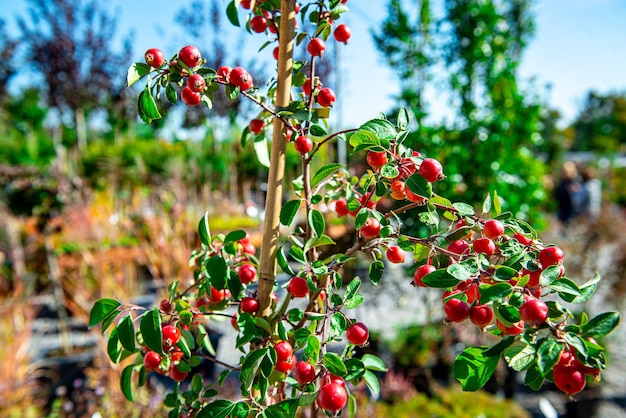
579	45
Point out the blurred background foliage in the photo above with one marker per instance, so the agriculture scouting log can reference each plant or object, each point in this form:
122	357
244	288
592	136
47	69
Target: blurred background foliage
93	202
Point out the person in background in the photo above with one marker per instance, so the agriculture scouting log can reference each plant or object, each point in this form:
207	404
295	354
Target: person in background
570	194
593	189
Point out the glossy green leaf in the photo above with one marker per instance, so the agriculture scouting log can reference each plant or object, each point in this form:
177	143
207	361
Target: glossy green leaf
136	72
204	232
353	302
473	369
520	357
231	13
374	363
235	236
334	364
147	106
170	93
586	291
262	152
548	354
495	292
221	408
440	279
125	382
317	222
533	378
102	309
150	327
317	130
216	270
126	333
325	172
289	211
600	325
459	272
463	209
114	347
372	382
312	349
418	185
402	121
487	204
382	128
504	273
318	242
281	258
250	367
375	271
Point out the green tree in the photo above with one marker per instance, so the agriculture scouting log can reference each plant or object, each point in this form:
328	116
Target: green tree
480	43
601	125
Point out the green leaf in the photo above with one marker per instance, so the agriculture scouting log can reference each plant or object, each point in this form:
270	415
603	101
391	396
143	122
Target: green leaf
216	270
402	121
312	349
376	271
352	287
231	13
317	130
353	302
170	93
520	357
325	172
334	364
473	369
125	382
318	242
440	279
150	327
250	367
459	272
487	204
126	333
234	236
533	378
418	185
504	273
101	310
136	72
495	292
499	347
262	152
338	323
114	347
586	291
382	128
204	232
147	106
463	209
372	362
289	211
372	382
352	406
283	409
217	409
281	258
496	203
316	220
548	355
600	325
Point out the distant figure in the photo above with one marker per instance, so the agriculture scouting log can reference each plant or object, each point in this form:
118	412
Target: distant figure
570	194
593	189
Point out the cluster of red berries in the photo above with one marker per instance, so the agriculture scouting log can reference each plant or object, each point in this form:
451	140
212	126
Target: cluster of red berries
569	374
168	364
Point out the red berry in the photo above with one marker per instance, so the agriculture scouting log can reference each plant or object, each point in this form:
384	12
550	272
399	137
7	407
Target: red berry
551	256
516	328
233	321
316	47
534	276
223	73
304	372
284	350
246	4
247	273
534	312
306	87
395	254
370	229
303	144
239	77
249	305
456	310
190	97
190	55
568	379
493	229
176	374
481	315
357	333
342	33
326	97
459	247
484	246
152	360
332	397
284	366
275	52
196	83
165	305
398	188
413	197
341	207
421	272
217	296
298	287
523	239
258	24
376	159
171	336
256	126
430	169
154	57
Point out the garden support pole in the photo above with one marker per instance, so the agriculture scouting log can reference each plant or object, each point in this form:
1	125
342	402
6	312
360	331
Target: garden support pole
269	246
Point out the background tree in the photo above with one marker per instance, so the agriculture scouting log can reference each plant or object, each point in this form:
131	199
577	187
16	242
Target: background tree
479	44
601	125
69	43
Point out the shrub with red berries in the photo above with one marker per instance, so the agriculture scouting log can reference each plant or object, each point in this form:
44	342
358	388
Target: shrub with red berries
494	272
